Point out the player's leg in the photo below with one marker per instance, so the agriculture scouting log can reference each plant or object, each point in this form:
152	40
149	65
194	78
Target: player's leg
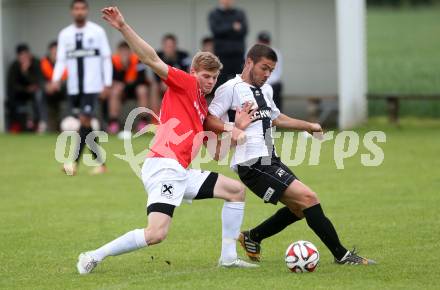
165	182
268	182
205	184
84	129
282	218
156	232
84	106
300	195
75	109
276	178
279	183
88	135
114	106
233	194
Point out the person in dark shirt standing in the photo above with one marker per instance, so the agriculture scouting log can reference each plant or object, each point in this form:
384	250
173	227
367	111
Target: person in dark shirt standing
229	28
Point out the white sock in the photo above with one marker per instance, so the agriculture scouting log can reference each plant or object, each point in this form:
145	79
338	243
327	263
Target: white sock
232	217
126	243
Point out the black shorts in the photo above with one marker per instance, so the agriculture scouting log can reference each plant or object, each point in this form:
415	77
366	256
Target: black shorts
130	90
207	188
267	181
83	104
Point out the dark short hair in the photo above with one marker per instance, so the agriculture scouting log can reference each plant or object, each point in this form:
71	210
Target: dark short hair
22	47
207	39
123	44
264	36
169	36
52	44
78	1
259	51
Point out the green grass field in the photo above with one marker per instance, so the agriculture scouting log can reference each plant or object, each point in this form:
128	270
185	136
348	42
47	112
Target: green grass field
404	57
389	212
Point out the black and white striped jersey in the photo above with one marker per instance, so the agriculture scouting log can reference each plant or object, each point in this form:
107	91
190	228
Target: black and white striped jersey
233	94
86	53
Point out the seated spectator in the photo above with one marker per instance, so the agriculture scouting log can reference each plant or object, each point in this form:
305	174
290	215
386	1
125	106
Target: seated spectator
24	86
172	56
53	94
208	44
129	81
275	77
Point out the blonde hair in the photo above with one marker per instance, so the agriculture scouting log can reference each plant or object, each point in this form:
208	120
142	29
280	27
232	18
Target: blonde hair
204	60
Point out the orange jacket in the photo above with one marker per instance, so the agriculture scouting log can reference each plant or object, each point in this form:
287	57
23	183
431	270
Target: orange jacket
47	69
131	72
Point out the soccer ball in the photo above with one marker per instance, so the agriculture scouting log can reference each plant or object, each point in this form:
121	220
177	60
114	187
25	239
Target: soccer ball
302	256
70	124
95	124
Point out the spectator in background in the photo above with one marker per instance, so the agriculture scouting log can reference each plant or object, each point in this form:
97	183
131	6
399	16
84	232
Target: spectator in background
229	28
208	44
129	81
275	77
53	94
24	86
171	55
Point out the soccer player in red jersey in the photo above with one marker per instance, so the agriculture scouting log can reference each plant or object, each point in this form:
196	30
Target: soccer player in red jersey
165	172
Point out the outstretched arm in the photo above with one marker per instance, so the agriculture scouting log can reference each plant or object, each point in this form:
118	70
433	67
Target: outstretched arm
145	52
284	121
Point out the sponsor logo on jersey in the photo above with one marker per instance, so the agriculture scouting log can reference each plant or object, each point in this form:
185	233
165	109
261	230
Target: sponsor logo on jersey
82	53
262	114
269	192
280	172
167	190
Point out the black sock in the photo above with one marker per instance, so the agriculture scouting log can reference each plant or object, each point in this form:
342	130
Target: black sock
273	225
323	227
94	148
83	132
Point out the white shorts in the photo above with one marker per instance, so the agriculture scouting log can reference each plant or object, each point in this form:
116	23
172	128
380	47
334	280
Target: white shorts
166	181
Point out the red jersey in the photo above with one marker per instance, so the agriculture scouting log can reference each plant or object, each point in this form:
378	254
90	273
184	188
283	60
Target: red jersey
184	108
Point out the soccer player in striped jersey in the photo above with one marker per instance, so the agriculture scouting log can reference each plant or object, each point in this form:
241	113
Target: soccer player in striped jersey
84	49
257	164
